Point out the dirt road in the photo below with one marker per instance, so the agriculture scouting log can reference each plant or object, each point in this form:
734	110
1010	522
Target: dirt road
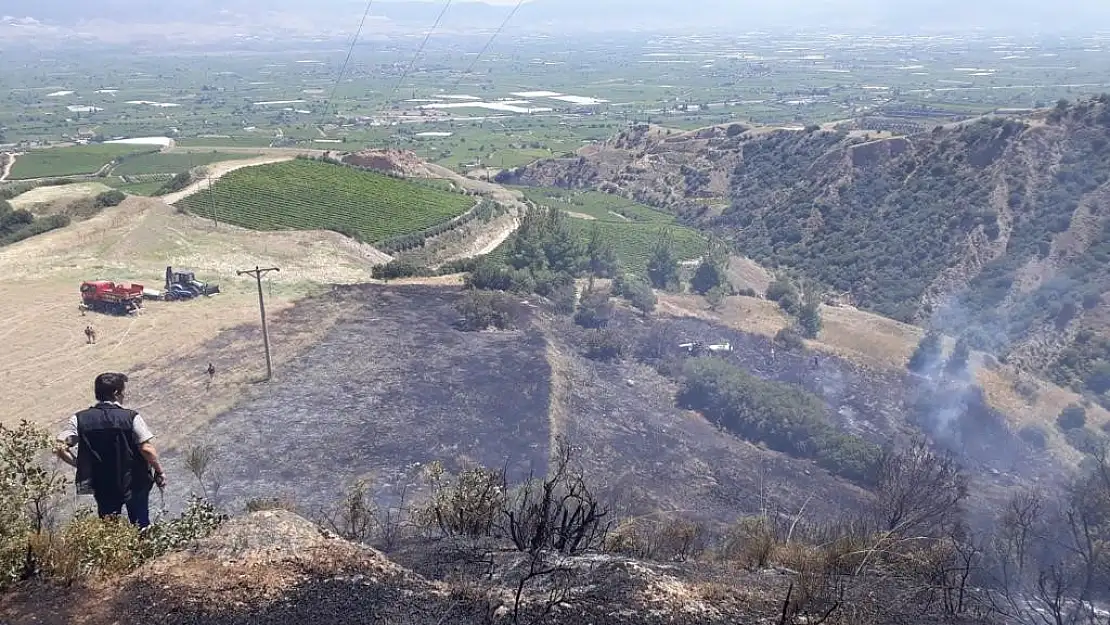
9	162
217	171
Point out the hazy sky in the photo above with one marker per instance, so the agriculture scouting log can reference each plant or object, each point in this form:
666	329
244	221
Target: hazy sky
566	16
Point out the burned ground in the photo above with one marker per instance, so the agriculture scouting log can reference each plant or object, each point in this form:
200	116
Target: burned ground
390	387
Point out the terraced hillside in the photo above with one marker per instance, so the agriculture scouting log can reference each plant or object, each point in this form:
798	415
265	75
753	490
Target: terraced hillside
996	228
632	227
312	195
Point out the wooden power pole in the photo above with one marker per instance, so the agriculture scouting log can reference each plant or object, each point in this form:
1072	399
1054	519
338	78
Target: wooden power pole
257	273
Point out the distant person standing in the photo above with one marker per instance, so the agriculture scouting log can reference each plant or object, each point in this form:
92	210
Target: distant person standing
116	460
211	371
90	335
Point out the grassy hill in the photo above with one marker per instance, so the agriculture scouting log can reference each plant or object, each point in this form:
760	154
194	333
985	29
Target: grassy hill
311	195
995	228
632	227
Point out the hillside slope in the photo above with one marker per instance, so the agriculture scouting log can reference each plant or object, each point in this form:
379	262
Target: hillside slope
998	228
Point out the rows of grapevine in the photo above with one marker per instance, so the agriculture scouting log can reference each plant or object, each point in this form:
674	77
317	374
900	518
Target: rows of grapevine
596	204
634	242
312	195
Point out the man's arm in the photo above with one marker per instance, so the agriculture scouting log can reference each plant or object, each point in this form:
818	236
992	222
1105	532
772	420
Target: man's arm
145	438
66	440
149	452
63	452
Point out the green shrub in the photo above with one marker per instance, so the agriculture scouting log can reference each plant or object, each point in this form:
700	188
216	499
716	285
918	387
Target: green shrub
29	487
199	519
784	416
709	275
786	294
809	319
109	198
662	268
637	291
88	547
399	268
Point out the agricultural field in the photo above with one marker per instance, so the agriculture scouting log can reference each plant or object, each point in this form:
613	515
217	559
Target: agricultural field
173	163
70	161
528	98
311	195
633	228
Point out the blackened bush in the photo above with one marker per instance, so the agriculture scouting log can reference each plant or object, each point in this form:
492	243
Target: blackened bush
1085	441
564	297
594	310
605	344
481	310
1034	436
790	338
1072	418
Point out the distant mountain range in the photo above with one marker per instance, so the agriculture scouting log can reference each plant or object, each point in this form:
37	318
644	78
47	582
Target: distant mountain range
324	17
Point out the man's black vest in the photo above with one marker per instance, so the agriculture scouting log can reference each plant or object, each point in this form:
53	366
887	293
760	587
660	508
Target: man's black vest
108	456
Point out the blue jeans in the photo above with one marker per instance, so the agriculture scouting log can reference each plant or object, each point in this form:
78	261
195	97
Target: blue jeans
138	507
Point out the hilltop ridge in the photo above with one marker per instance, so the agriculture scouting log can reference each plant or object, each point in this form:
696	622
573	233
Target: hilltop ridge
996	229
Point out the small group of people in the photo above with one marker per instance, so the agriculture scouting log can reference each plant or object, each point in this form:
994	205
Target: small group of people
112	449
90	335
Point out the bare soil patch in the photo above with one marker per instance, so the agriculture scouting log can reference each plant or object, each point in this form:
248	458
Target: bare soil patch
51	366
53	193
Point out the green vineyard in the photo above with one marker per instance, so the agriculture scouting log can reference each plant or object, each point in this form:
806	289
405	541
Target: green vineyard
310	195
631	227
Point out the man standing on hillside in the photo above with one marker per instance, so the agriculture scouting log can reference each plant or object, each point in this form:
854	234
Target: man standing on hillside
116	460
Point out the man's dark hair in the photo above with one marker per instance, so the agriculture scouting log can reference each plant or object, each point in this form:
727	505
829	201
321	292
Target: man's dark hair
108	384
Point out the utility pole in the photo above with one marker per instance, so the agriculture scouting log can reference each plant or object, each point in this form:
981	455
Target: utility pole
257	273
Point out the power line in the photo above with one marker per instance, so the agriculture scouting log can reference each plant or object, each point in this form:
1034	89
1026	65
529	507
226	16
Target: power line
343	68
485	48
412	63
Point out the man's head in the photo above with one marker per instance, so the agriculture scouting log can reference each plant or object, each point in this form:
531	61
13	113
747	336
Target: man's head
109	386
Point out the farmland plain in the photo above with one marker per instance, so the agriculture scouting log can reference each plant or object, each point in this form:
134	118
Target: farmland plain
293	96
